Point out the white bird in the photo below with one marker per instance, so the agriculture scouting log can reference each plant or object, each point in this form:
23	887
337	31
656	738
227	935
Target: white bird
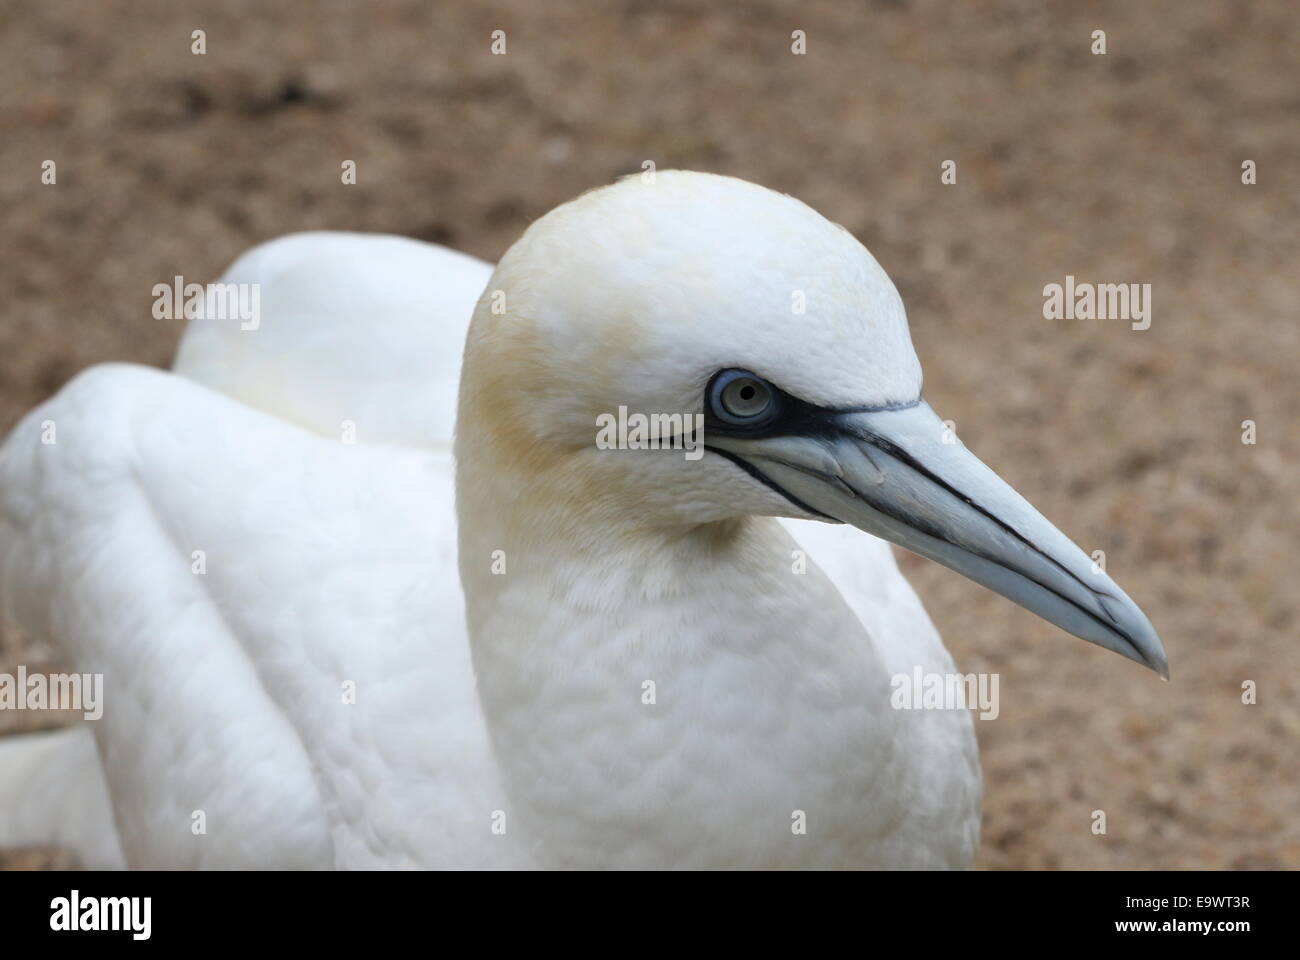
290	625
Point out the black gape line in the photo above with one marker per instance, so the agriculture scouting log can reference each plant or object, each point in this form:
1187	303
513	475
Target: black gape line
762	478
788	415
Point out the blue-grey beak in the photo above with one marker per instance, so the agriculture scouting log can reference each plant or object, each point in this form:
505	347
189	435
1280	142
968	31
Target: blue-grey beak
902	475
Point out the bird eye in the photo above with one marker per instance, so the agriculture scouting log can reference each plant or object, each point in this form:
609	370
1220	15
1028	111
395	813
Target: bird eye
739	397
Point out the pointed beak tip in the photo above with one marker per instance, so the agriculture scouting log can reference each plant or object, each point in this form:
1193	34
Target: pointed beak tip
1146	648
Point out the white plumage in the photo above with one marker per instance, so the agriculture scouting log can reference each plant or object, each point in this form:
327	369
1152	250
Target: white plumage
331	567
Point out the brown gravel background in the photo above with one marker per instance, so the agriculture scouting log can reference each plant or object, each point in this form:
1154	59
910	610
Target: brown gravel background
1116	168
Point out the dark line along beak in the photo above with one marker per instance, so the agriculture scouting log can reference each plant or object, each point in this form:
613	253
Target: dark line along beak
901	475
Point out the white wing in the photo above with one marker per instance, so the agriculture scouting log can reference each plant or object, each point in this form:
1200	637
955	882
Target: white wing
353	327
328	573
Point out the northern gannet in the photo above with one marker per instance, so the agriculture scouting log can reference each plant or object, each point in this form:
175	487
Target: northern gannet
677	659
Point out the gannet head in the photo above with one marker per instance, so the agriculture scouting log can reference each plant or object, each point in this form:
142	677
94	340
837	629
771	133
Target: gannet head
697	294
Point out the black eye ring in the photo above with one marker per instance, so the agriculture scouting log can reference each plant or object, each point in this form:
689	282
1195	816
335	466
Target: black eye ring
739	398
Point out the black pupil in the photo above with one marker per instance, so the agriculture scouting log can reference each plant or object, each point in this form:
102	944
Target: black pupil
747	392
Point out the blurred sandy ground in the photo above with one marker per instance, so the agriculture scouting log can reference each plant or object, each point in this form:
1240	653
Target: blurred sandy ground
1120	168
